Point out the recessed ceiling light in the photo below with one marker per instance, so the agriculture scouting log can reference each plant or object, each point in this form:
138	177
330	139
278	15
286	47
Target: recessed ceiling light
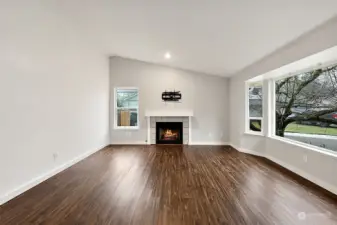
167	55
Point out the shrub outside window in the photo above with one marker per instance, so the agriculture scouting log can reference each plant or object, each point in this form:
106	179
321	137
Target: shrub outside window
126	108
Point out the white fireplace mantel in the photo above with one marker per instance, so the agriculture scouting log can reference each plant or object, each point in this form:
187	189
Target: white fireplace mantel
169	113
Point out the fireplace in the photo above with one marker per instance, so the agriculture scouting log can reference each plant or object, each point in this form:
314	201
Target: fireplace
169	133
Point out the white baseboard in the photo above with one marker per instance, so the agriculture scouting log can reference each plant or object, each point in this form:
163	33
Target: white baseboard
37	180
247	151
234	146
307	176
130	143
193	143
250	152
209	143
299	172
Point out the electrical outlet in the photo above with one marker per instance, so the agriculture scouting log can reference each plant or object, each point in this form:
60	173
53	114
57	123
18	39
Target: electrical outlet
305	158
55	155
209	134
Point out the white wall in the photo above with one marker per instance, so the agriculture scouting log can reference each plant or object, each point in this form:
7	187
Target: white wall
319	167
54	95
206	95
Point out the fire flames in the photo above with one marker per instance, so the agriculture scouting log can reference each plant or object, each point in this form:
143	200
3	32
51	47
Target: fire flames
168	134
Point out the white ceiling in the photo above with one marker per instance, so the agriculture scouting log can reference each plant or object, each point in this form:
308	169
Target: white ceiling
218	37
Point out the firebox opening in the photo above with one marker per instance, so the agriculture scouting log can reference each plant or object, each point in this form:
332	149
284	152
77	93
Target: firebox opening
169	133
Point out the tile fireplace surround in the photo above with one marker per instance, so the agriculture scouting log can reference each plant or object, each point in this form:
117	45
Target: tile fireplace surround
154	120
169	116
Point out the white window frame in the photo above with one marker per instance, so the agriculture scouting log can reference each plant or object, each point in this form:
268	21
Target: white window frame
247	116
273	96
319	60
116	108
272	108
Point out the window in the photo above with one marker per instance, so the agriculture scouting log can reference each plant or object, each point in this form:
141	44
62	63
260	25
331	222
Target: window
254	111
126	108
306	107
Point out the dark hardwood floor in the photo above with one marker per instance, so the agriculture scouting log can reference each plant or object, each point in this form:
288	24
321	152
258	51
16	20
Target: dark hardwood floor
172	185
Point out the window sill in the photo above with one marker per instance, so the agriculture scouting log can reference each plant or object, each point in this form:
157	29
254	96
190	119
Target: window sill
254	133
126	128
306	146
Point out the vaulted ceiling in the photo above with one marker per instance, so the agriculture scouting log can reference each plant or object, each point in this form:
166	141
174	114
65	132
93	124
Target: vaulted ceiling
217	37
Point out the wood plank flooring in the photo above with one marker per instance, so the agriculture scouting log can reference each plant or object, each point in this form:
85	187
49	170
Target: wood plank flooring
172	185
